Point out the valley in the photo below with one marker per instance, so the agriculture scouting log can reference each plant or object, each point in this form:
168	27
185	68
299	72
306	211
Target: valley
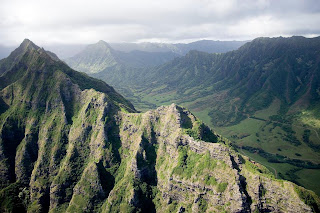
160	106
71	143
259	131
240	94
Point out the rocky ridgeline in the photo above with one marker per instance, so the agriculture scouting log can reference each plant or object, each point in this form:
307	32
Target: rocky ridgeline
69	143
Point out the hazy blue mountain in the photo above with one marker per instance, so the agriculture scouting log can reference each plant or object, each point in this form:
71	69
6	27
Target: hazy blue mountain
93	58
65	51
208	46
100	56
145	46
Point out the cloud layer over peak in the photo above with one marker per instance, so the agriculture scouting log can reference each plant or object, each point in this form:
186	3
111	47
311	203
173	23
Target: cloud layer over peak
82	21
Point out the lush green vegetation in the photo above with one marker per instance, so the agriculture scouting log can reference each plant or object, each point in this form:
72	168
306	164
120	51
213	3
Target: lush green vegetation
227	91
267	139
309	198
68	142
9	199
203	205
306	139
282	159
222	187
197	129
193	164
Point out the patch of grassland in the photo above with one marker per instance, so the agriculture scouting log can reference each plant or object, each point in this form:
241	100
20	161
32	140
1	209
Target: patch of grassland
310	118
203	115
310	179
194	164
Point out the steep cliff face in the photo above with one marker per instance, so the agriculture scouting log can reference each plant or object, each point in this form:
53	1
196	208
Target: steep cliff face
70	143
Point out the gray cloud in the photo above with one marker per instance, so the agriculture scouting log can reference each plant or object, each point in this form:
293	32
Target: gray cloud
82	21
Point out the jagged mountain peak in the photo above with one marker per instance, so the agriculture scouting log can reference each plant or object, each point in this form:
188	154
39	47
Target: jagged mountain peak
101	45
29	60
16	55
28	44
93	58
102	42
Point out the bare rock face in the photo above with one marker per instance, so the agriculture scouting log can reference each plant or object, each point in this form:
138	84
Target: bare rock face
69	143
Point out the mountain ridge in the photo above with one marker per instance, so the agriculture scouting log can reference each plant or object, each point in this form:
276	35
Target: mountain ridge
264	97
181	49
65	51
65	146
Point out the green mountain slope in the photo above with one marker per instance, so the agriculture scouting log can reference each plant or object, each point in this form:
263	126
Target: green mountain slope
263	96
70	143
94	58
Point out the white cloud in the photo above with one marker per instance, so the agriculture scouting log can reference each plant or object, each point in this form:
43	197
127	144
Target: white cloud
83	21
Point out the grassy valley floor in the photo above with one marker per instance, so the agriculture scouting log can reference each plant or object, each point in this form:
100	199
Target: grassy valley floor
288	149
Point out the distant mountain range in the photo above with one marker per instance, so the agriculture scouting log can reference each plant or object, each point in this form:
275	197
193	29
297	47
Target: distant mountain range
244	80
208	46
65	51
71	143
100	56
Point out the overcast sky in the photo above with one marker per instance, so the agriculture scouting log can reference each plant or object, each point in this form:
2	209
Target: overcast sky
87	21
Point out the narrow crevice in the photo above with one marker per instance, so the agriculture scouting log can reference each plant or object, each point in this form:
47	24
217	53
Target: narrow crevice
262	192
61	152
243	186
30	156
234	164
12	135
3	106
68	100
76	166
185	121
106	179
146	161
144	193
113	136
45	201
